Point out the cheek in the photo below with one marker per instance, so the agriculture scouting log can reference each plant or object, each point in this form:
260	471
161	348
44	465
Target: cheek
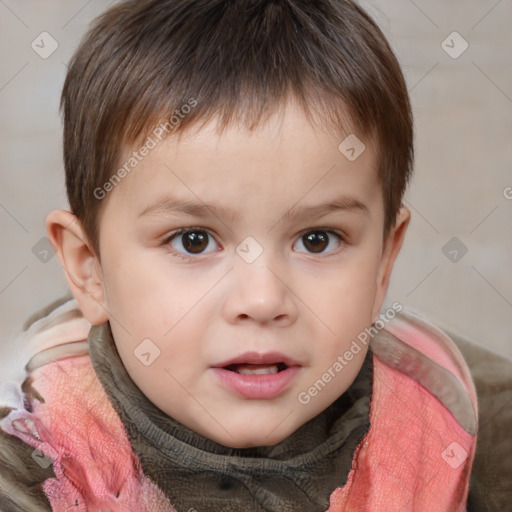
344	305
150	299
131	273
352	285
363	274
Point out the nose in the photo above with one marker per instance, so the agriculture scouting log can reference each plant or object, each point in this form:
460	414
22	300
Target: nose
261	292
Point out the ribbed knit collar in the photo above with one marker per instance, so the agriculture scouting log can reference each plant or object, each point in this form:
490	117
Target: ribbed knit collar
298	473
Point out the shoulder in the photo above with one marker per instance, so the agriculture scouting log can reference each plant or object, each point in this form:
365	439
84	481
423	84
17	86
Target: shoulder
21	477
491	478
480	395
415	347
56	331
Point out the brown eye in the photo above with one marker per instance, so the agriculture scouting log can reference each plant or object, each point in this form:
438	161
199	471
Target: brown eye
316	241
193	241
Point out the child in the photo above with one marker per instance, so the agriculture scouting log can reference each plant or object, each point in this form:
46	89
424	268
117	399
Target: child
257	373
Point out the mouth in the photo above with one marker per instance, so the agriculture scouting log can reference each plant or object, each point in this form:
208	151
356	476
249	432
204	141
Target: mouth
257	375
256	381
256	369
253	362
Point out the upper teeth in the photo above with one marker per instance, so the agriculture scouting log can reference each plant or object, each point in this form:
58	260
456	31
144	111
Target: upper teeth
258	371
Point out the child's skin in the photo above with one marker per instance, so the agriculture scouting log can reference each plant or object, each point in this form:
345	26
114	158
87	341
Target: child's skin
307	305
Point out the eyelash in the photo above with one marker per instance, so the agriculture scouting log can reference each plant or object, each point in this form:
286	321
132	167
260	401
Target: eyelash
186	257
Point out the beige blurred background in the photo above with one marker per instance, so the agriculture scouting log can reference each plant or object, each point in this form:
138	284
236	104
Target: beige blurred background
460	197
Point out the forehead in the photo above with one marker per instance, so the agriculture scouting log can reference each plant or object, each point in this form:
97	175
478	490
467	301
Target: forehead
285	159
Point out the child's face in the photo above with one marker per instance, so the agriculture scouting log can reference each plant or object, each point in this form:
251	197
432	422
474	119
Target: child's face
259	281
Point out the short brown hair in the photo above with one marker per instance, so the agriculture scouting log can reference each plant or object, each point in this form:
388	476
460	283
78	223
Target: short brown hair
239	59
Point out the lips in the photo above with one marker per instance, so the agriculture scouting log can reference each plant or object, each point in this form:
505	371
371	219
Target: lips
255	375
256	369
258	359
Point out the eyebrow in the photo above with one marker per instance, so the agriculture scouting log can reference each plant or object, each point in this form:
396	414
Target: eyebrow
169	205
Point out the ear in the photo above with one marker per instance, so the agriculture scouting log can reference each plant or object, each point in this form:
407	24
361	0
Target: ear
390	251
81	265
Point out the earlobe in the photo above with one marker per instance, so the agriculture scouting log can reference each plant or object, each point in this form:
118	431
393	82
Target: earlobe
389	255
80	264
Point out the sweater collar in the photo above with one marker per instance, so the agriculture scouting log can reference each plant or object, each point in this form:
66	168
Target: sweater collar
298	473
